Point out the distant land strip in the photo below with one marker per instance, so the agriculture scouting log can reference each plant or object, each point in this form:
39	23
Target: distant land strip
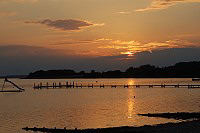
179	70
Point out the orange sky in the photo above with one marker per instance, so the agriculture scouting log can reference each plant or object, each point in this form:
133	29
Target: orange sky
95	28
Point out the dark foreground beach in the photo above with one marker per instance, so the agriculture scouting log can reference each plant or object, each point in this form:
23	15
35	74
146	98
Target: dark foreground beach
190	124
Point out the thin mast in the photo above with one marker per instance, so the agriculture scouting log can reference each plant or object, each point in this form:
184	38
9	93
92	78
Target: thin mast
3	84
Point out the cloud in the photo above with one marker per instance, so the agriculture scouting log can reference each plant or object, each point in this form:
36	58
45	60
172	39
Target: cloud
21	59
163	4
7	13
75	41
132	47
66	24
167	57
124	12
23	50
111	47
33	1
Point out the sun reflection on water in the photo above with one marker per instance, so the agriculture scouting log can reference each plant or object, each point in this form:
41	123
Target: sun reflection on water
130	100
131	82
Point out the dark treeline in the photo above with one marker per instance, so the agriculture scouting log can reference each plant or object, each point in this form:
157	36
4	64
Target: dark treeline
179	70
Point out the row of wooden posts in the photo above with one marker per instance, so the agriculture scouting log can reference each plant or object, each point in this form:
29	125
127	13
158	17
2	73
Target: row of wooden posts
75	85
70	85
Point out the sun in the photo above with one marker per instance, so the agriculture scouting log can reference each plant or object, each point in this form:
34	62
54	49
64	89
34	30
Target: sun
128	53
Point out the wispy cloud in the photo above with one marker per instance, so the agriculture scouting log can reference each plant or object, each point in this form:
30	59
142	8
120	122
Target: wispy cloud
25	50
19	1
112	47
124	12
163	4
66	24
2	13
74	42
132	47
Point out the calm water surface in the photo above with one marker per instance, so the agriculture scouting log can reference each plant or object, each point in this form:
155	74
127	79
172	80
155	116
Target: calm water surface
93	107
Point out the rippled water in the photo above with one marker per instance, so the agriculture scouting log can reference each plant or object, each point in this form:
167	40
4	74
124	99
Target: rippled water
93	107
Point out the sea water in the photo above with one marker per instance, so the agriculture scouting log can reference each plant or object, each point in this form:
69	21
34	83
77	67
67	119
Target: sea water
93	107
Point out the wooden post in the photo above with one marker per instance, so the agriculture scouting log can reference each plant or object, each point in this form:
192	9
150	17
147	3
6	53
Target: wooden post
101	86
59	84
113	86
162	85
40	85
67	85
137	86
126	86
90	86
150	86
70	85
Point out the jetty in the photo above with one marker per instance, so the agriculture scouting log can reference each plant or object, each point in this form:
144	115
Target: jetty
68	85
180	127
175	115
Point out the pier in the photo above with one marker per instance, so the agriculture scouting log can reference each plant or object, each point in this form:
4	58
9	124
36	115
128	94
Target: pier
69	85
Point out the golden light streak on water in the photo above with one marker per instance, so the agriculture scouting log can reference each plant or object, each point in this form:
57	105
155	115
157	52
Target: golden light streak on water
130	100
131	82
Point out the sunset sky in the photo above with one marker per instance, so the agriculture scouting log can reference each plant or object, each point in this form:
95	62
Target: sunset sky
96	34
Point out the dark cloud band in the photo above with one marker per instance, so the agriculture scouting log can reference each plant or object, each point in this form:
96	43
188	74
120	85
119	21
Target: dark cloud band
65	24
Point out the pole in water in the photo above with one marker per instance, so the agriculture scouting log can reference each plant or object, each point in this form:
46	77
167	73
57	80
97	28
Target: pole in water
3	84
59	84
67	85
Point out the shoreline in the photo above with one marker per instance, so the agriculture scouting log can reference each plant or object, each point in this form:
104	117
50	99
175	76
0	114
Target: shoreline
185	126
180	127
112	78
20	77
